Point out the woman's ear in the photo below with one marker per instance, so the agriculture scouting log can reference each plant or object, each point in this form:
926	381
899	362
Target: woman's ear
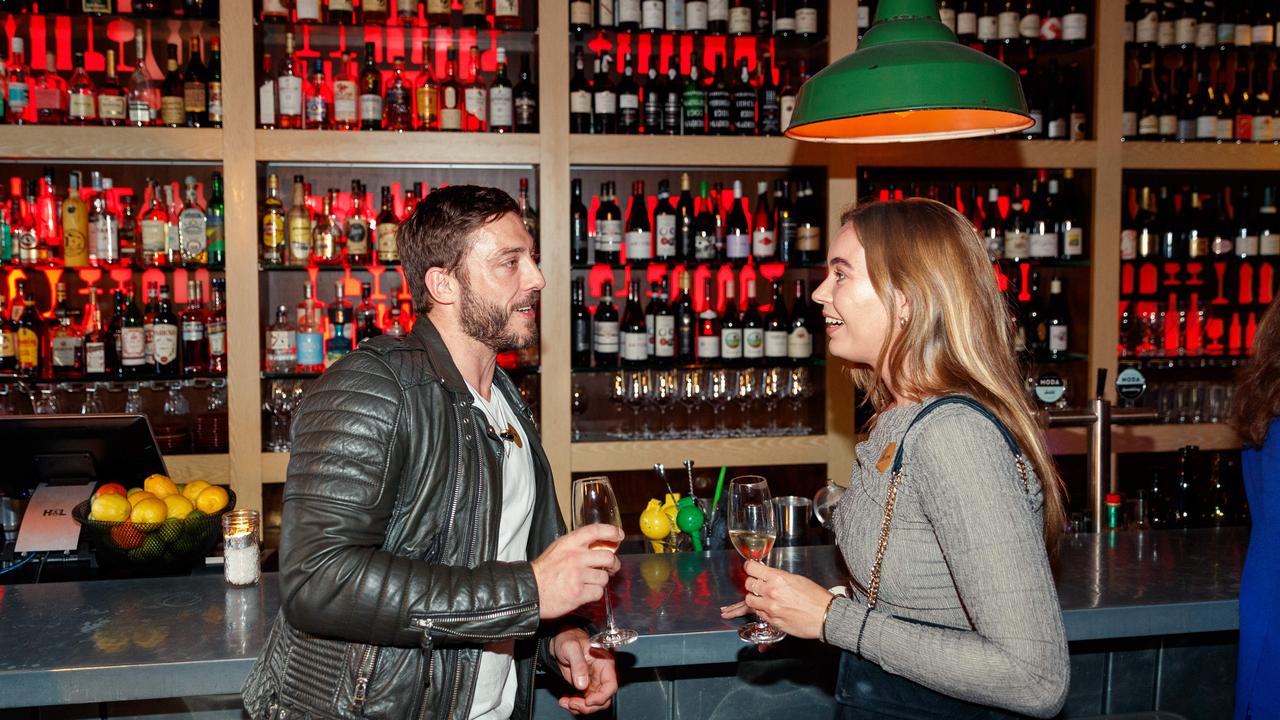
904	308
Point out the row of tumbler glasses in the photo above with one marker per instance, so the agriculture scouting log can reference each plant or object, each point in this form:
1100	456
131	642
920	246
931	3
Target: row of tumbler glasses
707	397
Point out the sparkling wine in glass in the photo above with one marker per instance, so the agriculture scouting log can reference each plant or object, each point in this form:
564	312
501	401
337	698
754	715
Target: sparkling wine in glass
752	530
594	502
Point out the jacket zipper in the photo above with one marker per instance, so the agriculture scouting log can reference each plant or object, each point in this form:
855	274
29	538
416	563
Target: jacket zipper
425	625
364	670
471	548
506	612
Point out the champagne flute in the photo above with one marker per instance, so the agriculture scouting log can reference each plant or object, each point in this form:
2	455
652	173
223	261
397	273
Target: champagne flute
594	502
752	529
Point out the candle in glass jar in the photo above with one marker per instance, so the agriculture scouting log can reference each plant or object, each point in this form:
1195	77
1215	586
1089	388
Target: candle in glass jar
240	547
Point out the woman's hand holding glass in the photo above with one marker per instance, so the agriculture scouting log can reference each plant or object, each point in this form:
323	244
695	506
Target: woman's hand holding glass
791	603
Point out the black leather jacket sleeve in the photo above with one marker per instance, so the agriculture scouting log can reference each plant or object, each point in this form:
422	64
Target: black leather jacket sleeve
353	435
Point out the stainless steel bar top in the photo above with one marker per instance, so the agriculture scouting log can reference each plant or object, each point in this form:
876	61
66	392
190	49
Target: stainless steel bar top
110	640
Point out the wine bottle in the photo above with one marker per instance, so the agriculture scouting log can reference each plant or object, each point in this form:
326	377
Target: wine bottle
777	327
579	97
1058	317
763	241
165	332
1070	223
693	101
746	101
604	99
628	99
608	227
604	329
581	325
661	320
705	243
752	328
639	232
800	334
686	322
686	211
731	326
708	326
785	227
579	239
808	228
737	229
665	223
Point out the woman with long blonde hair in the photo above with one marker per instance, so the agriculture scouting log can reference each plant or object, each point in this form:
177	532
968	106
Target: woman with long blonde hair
952	610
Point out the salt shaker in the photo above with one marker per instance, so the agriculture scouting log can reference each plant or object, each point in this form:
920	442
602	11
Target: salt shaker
240	541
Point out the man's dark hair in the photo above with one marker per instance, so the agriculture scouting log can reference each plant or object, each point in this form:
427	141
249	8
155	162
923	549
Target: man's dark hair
438	232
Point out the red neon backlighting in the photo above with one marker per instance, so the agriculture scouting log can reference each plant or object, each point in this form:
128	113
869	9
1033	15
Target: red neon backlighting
52	276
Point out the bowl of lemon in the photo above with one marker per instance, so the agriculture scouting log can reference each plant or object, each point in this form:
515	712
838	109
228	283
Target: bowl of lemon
161	527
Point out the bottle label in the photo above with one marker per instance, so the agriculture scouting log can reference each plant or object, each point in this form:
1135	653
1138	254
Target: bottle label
807	21
628	11
664	336
605	14
579	12
605	102
8	344
154	234
1073	242
731	343
282	346
19	97
133	346
216	331
310	348
1225	128
1184	31
526	112
1056	129
966	23
192	331
1007	25
1263	34
476	99
345	102
580	101
1079	126
1129	124
1017	244
737	246
762	244
376	6
504	8
1167	125
775	344
81	107
708	347
1226	34
64	351
300	238
753	343
388	250
290	90
370	107
635	346
948	17
340	6
266	106
95	358
214	95
1057	338
1263	129
651	15
450	117
629	101
704	247
1029	26
357	237
103	239
1206	34
609	236
1269	244
1148	124
582	335
1247	245
1187	129
1206	127
1075	27
639	245
664	233
1050	28
988	28
718	10
695	15
165	342
744	115
739	20
604	336
172	110
1043	245
28	348
809	238
1166	33
1244	128
1146	29
501	107
675	15
1221	245
799	344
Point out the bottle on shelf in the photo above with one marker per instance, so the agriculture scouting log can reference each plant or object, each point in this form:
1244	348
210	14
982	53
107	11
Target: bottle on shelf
309	335
49	94
18	80
632	330
341	339
366	316
194	87
731	326
164	331
605	329
96	358
451	95
800	335
525	99
215	327
298	222
777	327
327	239
580	353
386	249
75	225
609	232
195	340
397	100
173	109
82	107
709	342
579	236
193	226
638	234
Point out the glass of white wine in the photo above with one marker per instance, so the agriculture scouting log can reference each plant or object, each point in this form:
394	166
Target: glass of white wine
594	502
752	529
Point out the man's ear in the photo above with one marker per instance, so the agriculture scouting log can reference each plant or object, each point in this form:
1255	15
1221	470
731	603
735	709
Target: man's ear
442	286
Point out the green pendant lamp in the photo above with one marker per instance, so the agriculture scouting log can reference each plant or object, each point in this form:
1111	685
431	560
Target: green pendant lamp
908	81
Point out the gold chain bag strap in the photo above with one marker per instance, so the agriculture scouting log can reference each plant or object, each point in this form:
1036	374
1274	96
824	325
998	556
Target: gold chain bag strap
895	477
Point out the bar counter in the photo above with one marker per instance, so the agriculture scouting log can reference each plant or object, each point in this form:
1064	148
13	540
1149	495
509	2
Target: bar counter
114	640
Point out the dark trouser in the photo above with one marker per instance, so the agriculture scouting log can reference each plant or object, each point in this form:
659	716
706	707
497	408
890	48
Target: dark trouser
864	691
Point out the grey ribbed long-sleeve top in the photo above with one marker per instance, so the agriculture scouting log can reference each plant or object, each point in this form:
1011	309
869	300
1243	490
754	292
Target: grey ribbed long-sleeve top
965	536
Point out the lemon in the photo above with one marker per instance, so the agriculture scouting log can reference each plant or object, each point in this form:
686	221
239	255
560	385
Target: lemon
159	485
137	497
149	511
109	507
212	499
179	507
193	490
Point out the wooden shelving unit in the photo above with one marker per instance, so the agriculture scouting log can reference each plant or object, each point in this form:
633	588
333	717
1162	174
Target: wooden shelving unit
240	147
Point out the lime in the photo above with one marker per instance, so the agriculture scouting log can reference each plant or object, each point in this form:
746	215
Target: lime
150	549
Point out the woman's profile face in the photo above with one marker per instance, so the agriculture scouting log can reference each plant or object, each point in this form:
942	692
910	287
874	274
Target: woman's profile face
856	324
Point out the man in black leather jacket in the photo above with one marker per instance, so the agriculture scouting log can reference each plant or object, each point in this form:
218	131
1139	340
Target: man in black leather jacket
390	587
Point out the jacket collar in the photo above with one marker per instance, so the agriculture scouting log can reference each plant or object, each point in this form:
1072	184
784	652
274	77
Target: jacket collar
428	337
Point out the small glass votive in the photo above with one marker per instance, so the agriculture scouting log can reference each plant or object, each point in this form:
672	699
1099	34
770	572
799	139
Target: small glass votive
240	565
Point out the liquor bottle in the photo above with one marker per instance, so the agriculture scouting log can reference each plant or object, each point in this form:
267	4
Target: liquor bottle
9	340
685	213
153	228
426	94
752	328
708	326
193	227
451	95
580	325
132	340
298	221
387	224
746	102
770	108
267	94
705	243
95	340
738	237
104	229
501	98
274	224
317	99
604	329
800	334
1058	316
633	333
777	327
309	335
638	238
66	349
784	224
474	14
128	233
326	237
579	97
164	331
370	92
195	340
693	101
29	338
661	322
525	100
75	225
173	111
664	224
342	331
628	99
345	113
366	316
763	240
475	98
604	99
49	94
808	227
18	98
281	344
579	237
194	89
111	105
719	101
215	328
528	214
696	15
608	242
397	100
82	107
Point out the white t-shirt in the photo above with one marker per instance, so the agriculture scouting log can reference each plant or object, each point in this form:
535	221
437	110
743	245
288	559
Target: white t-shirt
495	695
